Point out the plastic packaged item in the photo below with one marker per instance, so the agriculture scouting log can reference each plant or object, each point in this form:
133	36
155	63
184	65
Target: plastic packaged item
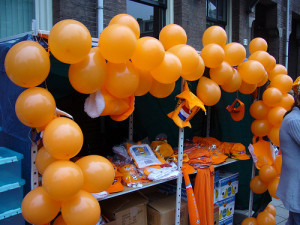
143	156
130	176
163	173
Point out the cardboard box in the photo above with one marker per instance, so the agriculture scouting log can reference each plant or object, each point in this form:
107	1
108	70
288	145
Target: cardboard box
216	214
226	185
226	208
162	211
130	209
228	221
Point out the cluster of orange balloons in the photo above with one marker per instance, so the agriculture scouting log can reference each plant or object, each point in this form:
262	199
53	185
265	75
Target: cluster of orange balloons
268	177
276	100
66	185
266	217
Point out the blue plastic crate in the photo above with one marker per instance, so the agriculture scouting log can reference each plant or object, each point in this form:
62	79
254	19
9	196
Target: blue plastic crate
11	196
10	163
14	217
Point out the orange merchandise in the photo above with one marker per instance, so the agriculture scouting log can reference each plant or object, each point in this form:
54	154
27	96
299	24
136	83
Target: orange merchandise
130	176
204	194
217	156
261	150
238	151
192	205
225	147
116	186
237	113
187	106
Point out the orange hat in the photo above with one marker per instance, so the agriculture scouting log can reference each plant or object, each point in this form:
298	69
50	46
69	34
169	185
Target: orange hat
237	113
238	151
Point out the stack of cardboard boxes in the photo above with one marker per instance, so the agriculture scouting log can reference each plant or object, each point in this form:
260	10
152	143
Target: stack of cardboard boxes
226	187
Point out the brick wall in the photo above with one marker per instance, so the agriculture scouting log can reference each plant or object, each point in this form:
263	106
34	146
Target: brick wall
81	10
112	8
191	15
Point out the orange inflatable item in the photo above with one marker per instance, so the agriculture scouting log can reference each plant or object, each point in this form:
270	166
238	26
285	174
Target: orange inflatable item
163	148
187	106
192	205
261	152
188	168
204	194
237	113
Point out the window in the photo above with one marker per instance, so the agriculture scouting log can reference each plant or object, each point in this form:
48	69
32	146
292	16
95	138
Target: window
15	17
150	14
216	13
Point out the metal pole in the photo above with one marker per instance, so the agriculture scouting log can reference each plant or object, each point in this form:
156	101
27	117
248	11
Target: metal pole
130	127
251	193
34	172
179	164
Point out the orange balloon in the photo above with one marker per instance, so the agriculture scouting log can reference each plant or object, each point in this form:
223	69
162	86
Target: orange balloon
275	115
35	107
27	64
246	88
98	173
272	96
264	58
258	110
188	57
221	74
145	83
83	208
249	221
168	71
263	81
62	180
59	221
214	35
267	173
88	75
149	53
160	90
122	79
251	71
260	128
278	69
278	164
270	209
272	64
208	91
265	218
235	53
287	101
274	136
282	82
127	20
63	138
43	159
117	43
172	35
272	187
257	186
212	55
38	207
69	41
234	84
197	73
258	44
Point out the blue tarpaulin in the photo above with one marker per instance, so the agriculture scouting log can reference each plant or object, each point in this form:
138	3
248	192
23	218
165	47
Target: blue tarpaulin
14	134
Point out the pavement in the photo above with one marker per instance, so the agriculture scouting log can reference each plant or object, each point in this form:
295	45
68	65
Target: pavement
281	216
